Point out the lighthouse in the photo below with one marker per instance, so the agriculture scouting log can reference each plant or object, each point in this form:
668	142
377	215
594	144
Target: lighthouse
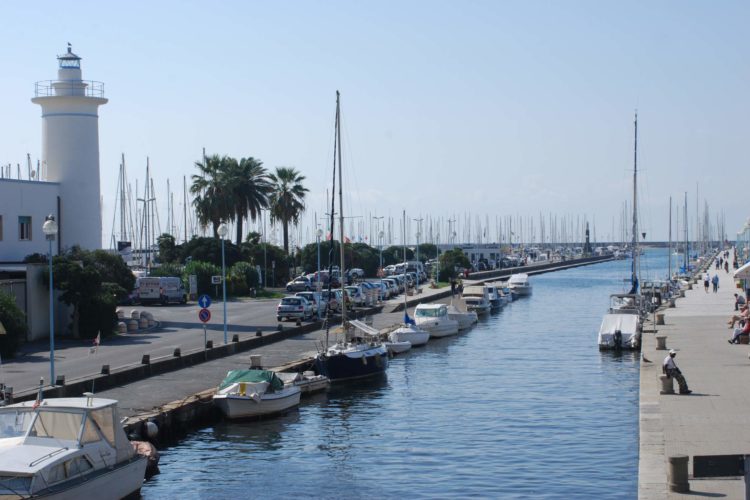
70	150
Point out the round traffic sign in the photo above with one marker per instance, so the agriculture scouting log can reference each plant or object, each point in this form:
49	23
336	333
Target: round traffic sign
204	315
204	301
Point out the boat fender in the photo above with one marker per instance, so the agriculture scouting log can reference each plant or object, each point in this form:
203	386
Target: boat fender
618	339
152	430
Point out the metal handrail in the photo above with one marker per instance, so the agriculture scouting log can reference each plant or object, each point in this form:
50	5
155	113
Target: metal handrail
85	88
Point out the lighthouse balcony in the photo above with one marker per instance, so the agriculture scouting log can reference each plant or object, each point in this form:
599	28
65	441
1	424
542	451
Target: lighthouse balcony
53	88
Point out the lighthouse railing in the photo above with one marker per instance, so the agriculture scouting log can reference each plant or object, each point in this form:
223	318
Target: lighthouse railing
86	88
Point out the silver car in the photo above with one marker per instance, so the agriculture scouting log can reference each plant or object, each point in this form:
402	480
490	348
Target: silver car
294	308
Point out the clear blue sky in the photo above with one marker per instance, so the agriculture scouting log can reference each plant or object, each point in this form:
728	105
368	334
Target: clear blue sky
492	108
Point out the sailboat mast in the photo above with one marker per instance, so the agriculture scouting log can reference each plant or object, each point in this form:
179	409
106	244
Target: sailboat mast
633	277
341	210
669	275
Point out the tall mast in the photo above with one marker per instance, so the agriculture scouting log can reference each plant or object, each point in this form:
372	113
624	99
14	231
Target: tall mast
184	207
669	275
633	277
341	209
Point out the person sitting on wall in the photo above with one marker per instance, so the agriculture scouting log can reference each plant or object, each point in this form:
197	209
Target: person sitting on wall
744	329
744	314
739	300
671	370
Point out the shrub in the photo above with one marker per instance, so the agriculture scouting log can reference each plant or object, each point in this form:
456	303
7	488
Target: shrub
242	278
204	271
14	322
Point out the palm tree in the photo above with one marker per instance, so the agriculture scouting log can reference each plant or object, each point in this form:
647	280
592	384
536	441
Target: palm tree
213	201
250	186
287	199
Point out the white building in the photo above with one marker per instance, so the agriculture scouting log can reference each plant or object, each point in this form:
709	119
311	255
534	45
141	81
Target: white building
68	185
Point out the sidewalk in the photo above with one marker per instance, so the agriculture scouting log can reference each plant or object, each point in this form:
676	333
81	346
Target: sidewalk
713	420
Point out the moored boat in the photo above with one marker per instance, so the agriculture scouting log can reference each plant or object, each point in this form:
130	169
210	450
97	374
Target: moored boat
397	347
519	284
620	331
410	333
465	319
67	448
433	318
255	393
494	295
477	299
308	382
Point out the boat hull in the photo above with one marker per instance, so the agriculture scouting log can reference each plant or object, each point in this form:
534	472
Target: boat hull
443	328
413	336
236	406
124	480
352	365
398	347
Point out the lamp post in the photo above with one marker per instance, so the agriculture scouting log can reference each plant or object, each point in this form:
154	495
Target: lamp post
380	241
222	232
318	286
418	235
50	230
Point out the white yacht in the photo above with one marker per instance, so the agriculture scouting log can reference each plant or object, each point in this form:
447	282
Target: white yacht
519	284
434	319
620	331
465	319
494	294
255	393
67	448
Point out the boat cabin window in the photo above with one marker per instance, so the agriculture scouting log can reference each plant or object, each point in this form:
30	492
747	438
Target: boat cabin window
57	425
14	485
90	434
78	465
14	423
105	420
430	313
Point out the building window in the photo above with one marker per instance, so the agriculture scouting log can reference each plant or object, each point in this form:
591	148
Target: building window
24	228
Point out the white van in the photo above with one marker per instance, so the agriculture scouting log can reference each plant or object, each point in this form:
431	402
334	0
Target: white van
161	290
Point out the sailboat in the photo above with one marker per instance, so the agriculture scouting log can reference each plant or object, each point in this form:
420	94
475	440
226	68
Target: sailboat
357	354
621	328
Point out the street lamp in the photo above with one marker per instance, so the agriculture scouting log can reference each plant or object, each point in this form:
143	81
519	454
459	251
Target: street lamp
222	231
418	235
318	234
380	241
50	230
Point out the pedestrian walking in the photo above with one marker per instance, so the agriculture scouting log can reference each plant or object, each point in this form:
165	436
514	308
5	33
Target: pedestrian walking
453	287
706	279
715	282
726	266
670	369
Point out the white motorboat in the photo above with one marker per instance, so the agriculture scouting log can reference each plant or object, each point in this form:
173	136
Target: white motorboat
477	299
397	347
308	381
255	393
67	448
465	319
409	332
519	284
494	295
620	331
433	318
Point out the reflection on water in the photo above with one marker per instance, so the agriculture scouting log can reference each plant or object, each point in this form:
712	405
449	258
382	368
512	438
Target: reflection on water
522	405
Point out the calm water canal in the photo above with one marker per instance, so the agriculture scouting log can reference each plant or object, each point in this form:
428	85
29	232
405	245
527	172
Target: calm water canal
522	406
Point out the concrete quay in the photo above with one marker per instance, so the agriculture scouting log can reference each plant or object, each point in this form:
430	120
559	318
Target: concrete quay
713	420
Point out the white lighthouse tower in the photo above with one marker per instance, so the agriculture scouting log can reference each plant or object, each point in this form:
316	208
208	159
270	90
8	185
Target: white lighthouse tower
70	150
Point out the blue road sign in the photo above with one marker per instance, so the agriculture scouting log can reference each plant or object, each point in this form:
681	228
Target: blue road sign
204	315
204	301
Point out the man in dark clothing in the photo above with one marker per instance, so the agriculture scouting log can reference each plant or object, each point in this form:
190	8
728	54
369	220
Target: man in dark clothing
739	300
670	369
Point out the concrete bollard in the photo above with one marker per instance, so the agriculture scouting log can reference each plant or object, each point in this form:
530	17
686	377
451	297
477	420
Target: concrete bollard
120	314
235	338
177	352
134	314
661	342
659	319
256	361
60	380
298	322
678	474
147	315
667	387
682	294
105	370
143	323
209	344
122	327
259	333
690	286
151	323
132	325
280	327
146	359
671	302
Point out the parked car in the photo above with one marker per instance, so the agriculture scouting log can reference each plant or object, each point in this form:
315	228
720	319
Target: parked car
333	299
356	295
356	273
314	298
293	307
382	288
300	284
392	286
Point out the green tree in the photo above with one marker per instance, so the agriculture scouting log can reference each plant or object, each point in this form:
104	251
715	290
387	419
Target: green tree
287	199
213	200
13	322
427	251
249	186
395	254
449	261
167	248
